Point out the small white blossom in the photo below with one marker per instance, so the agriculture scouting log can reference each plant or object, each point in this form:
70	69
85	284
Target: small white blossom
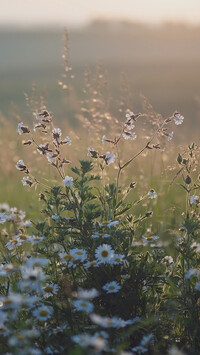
109	158
68	181
83	305
178	119
67	140
194	199
129	135
152	194
170	136
20	165
111	287
43	313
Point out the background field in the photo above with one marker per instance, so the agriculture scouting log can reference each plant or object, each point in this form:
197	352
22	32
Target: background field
160	62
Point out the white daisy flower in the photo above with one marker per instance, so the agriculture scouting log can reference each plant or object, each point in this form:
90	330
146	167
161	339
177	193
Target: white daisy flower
43	313
86	294
139	349
68	181
109	223
78	254
150	238
83	305
178	119
111	287
37	262
50	290
93	263
117	259
104	253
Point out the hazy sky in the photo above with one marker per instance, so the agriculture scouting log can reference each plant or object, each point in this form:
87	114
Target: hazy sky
79	11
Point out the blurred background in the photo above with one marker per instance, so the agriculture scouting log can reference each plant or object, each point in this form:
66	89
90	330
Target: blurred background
156	44
151	47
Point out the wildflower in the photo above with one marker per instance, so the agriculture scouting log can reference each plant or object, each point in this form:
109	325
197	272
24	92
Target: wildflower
150	238
109	223
194	199
93	263
139	349
104	139
43	313
51	157
152	194
104	253
21	166
43	148
3	218
50	289
78	254
95	235
197	286
191	273
55	217
86	294
35	239
170	136
147	339
68	181
129	135
22	129
56	133
92	153
85	340
27	181
36	262
13	243
109	158
111	287
178	118
117	259
83	305
67	140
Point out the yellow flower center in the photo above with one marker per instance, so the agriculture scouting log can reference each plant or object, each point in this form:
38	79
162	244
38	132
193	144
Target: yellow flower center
93	263
111	287
48	289
7	302
23	237
79	253
83	304
14	242
149	238
43	313
117	259
104	253
68	257
37	263
105	223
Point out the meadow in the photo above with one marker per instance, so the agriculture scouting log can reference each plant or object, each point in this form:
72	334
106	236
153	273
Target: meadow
100	192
